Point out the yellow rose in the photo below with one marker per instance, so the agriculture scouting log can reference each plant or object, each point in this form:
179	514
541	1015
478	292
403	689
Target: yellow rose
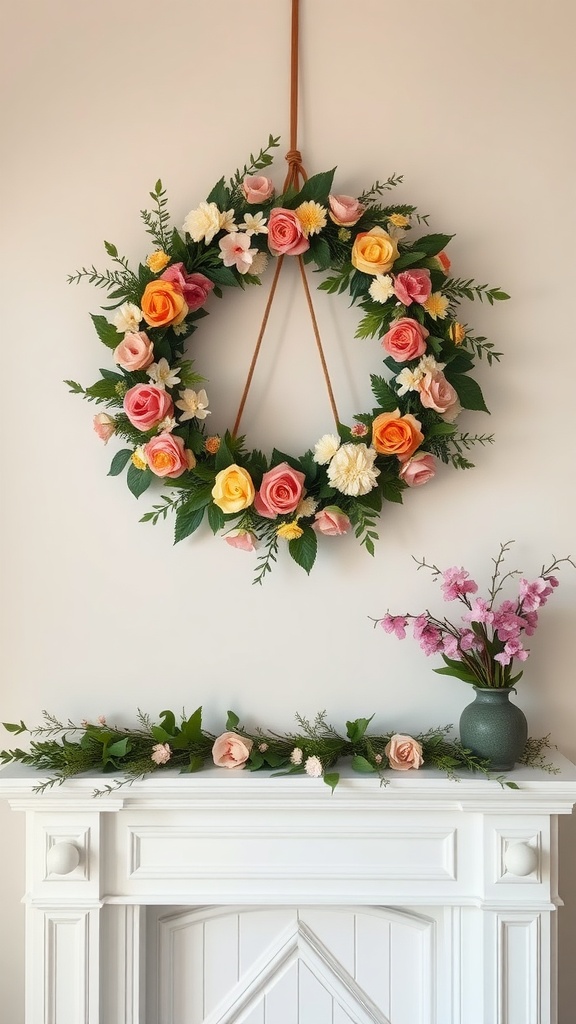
233	489
290	531
374	251
157	261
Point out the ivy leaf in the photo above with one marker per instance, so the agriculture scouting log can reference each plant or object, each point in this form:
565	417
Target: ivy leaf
106	331
360	764
232	722
196	764
168	722
330	778
303	549
468	390
120	748
187	521
192	727
138	480
356	729
119	461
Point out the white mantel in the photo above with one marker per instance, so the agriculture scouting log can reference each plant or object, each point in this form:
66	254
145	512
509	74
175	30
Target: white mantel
469	865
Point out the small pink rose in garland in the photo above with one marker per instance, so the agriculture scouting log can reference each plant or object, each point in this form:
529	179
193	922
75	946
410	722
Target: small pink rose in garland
158	406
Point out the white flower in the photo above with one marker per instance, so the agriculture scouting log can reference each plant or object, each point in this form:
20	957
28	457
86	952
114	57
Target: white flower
326	448
409	380
305	507
203	223
254	224
182	328
194	405
127	318
352	469
259	264
429	365
235	251
382	288
166	425
227	221
163	375
296	756
313	767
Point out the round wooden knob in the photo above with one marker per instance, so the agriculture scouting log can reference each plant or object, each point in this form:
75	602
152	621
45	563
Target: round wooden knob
62	858
521	859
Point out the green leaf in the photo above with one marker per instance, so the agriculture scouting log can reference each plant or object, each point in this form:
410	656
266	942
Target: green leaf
431	245
512	785
106	331
441	430
458	674
111	250
192	727
16	729
387	399
330	778
303	550
187	521
316	188
408	259
321	253
196	764
199	499
168	722
221	275
469	391
120	748
138	480
104	391
224	457
204	472
356	729
216	518
360	764
119	461
219	195
232	722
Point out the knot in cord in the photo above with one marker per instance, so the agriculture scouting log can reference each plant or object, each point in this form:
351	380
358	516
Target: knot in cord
295	169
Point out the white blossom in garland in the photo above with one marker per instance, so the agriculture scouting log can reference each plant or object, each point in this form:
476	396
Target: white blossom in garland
352	470
326	448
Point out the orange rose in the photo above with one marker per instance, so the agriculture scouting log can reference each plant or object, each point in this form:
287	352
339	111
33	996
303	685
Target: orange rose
393	434
163	304
374	251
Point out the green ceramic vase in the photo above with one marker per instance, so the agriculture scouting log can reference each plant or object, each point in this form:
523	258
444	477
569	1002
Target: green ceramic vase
493	728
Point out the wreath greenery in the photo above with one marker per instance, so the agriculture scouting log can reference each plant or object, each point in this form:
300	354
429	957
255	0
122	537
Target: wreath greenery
157	403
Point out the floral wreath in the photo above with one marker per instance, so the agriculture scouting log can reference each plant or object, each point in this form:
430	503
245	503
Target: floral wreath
157	403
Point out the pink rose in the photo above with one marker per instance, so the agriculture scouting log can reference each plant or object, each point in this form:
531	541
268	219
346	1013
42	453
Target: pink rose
345	210
104	425
257	188
135	352
146	406
167	456
413	286
285	235
161	753
242	539
231	750
418	470
195	288
436	393
331	521
405	340
403	753
280	491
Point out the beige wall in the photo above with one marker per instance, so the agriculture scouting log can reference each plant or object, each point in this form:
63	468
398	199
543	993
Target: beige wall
473	103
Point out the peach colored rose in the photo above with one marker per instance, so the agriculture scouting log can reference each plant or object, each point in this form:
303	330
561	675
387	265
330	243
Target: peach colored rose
161	753
405	340
393	434
280	491
413	286
231	750
233	489
257	188
135	352
146	406
162	304
374	251
438	394
166	455
345	210
194	287
418	470
285	234
244	540
104	425
403	753
331	521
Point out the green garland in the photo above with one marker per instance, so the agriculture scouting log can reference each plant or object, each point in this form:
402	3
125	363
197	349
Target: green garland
315	749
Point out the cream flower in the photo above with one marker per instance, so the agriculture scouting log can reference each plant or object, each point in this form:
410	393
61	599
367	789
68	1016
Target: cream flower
313	767
182	328
326	448
161	753
193	404
409	380
127	318
296	756
254	224
312	217
429	365
382	288
437	306
352	471
227	221
235	251
166	425
259	264
163	375
203	223
138	458
305	507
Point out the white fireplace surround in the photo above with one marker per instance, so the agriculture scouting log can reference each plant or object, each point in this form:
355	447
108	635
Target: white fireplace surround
232	898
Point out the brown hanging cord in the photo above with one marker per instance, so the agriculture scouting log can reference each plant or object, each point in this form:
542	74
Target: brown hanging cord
295	174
